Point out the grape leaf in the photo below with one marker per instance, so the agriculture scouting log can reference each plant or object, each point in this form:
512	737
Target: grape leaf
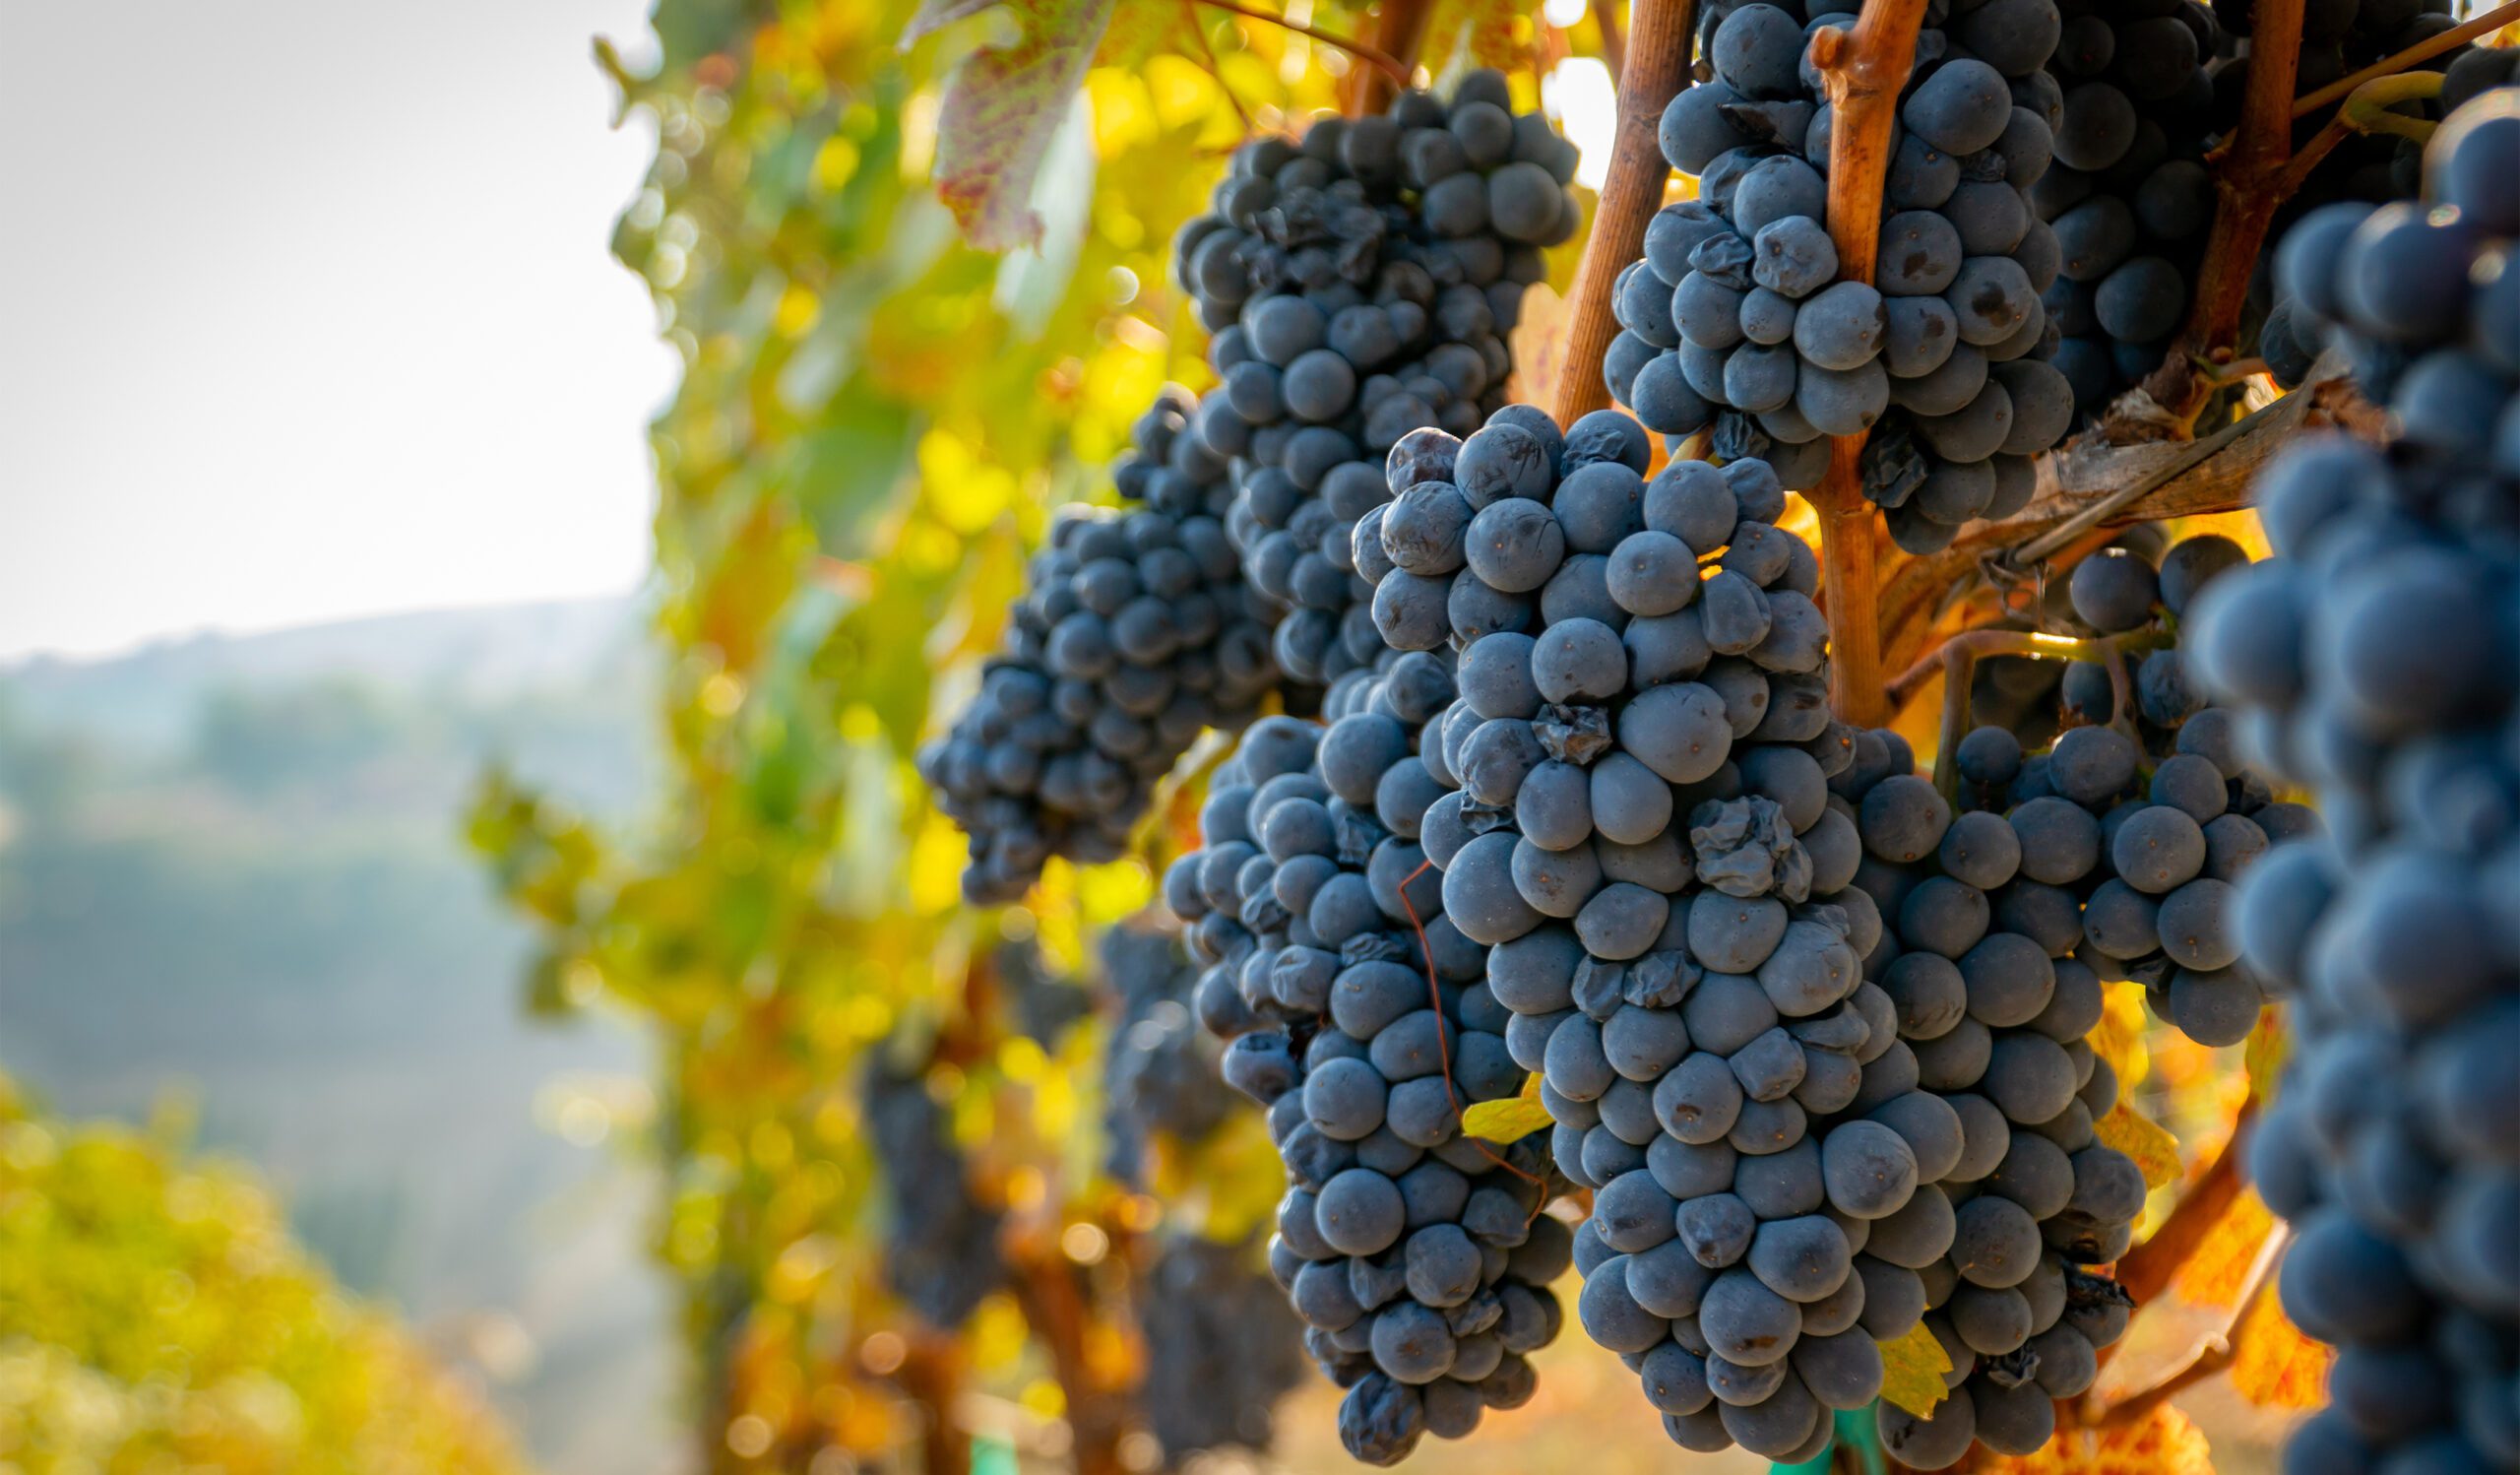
935	15
2229	1261
2162	1442
1000	109
1912	1371
2276	1365
2118	1038
2154	1149
1503	1122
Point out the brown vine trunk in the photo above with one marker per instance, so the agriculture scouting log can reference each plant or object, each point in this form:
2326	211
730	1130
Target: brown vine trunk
1400	30
1863	69
1057	1309
1657	66
932	1378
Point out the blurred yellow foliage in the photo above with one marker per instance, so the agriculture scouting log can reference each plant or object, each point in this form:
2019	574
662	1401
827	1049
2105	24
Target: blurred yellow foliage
154	1315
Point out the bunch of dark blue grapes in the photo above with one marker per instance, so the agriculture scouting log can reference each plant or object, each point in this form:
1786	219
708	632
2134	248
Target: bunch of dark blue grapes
2129	197
1137	631
2376	660
941	1250
1737	321
1361	282
1358	1014
2419	295
1993	1008
1638	822
2148	825
1158	1070
1221	1348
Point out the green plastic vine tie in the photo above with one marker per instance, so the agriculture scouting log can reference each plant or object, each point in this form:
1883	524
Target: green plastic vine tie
1858	1434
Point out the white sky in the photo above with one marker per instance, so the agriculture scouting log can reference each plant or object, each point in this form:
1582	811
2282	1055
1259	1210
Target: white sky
310	314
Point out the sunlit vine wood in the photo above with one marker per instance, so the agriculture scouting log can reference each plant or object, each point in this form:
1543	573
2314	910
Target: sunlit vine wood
1656	67
1862	68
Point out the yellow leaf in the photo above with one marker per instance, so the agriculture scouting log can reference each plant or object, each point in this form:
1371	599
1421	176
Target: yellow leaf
2267	1048
2153	1150
2118	1038
2163	1442
1912	1371
2277	1367
1502	1122
2226	1263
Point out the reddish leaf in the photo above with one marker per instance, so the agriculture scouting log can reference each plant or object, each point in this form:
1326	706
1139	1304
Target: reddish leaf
2162	1442
1002	108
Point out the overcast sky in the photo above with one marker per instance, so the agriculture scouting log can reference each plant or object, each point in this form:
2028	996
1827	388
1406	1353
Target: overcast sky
310	314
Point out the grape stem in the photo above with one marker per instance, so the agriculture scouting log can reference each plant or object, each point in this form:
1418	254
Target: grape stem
1614	40
1045	1287
1444	1051
1957	658
2249	170
932	1377
2366	111
1390	66
2219	1354
1654	70
1862	68
1922	591
1400	30
2412	56
2047	542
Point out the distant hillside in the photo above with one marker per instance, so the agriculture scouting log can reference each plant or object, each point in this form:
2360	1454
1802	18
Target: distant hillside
149	698
231	873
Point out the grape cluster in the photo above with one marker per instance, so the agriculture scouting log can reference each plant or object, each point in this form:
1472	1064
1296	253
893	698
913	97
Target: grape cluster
1636	819
1041	1001
2420	295
1159	1071
2149	833
2130	198
1737	321
2377	660
1362	282
1221	1348
1137	631
1358	1014
1992	1007
940	1243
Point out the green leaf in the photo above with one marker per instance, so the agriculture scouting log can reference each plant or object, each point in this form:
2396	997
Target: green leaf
1503	1122
1000	110
1912	1371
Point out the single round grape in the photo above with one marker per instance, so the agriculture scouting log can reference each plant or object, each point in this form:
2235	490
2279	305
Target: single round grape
1514	545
